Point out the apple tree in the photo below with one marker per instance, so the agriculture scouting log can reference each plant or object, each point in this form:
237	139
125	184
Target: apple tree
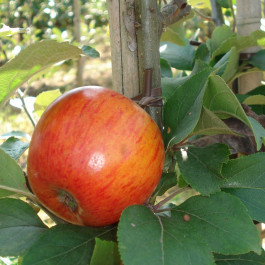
210	196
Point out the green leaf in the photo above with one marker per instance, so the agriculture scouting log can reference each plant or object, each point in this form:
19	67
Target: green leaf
169	85
7	31
255	100
219	35
17	134
33	59
224	218
228	65
258	60
179	57
256	38
246	259
246	180
106	253
20	227
89	51
12	178
217	224
201	167
180	119
44	99
14	147
168	180
175	36
203	53
259	132
144	237
210	124
255	97
221	100
165	68
64	244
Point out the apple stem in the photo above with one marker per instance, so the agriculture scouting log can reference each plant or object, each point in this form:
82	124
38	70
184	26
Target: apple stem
167	199
67	199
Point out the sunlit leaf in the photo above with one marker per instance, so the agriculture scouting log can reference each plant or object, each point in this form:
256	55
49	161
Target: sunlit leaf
33	59
7	31
105	252
241	42
44	99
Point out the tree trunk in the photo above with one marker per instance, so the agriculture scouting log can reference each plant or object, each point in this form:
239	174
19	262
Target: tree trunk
125	73
77	37
248	20
135	30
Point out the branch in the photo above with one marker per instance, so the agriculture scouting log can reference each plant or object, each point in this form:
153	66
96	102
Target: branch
217	13
202	15
173	12
170	197
21	96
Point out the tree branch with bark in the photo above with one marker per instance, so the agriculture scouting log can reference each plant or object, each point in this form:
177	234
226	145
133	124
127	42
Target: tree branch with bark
173	12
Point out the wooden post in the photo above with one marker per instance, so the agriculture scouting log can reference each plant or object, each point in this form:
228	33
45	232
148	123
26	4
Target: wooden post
148	39
124	50
248	20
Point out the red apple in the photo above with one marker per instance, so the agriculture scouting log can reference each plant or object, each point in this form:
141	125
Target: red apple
93	153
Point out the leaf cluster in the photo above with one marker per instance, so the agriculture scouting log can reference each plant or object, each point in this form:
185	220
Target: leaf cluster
213	224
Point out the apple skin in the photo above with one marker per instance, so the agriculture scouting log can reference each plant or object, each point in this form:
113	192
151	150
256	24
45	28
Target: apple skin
93	153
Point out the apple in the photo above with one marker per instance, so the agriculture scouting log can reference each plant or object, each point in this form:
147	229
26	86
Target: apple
93	153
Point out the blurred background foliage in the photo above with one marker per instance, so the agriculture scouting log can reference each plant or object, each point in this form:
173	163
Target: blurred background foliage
54	19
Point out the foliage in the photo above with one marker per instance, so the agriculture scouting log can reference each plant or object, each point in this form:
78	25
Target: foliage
49	19
214	225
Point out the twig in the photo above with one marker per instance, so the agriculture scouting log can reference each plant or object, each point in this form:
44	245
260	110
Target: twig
173	12
203	16
217	13
21	96
195	43
167	199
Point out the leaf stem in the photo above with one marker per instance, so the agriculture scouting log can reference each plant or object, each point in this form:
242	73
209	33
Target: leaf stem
35	200
163	210
167	199
21	192
21	96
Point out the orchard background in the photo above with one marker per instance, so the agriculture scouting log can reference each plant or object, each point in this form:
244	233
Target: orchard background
208	58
